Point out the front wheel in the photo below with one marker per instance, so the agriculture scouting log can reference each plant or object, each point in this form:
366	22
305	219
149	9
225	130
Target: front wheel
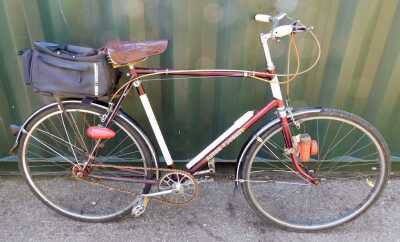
352	167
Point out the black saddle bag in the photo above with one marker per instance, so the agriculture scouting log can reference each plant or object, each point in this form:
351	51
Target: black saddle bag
67	70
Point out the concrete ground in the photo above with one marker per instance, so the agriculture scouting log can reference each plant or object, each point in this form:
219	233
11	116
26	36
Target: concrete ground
216	215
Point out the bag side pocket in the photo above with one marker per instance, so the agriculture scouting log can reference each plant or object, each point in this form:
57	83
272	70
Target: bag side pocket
51	75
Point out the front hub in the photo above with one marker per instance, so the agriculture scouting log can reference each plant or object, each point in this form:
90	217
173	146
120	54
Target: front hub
80	172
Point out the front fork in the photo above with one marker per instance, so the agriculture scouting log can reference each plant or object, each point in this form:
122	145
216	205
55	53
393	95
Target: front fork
287	134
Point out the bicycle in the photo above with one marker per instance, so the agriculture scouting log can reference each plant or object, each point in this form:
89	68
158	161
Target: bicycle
309	169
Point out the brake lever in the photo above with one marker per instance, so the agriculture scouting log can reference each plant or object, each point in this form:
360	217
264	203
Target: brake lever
298	27
302	28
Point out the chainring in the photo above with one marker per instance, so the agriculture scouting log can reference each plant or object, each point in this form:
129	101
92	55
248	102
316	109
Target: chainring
172	178
185	186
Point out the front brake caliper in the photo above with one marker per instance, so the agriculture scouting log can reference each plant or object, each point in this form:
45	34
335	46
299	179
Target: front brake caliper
289	110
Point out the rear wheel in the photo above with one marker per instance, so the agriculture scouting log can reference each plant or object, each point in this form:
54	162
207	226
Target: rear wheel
352	167
55	146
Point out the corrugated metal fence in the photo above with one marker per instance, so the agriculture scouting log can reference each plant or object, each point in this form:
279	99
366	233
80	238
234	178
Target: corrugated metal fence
359	70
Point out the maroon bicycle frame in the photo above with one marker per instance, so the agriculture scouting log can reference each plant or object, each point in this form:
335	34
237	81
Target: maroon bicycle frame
275	104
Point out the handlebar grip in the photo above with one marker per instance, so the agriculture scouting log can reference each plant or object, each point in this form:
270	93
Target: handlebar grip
263	18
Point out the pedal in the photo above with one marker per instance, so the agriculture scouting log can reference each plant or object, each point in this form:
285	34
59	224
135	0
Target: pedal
203	173
140	206
209	171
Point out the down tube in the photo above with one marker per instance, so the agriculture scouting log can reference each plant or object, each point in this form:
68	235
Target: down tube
236	133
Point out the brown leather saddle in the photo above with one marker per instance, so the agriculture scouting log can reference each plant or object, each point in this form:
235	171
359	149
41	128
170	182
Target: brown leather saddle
124	52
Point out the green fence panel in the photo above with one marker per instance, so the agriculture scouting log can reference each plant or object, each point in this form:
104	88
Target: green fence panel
358	71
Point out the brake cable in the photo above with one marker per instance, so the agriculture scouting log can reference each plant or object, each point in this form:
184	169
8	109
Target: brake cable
292	43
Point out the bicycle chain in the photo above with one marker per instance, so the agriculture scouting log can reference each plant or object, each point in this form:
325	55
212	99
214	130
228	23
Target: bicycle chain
195	183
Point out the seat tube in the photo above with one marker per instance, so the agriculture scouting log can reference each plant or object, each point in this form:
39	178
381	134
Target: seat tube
153	122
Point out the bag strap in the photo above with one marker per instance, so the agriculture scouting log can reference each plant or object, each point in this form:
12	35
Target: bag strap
69	52
63	64
46	46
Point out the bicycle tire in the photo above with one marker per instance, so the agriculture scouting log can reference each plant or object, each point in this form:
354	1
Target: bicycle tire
380	182
72	212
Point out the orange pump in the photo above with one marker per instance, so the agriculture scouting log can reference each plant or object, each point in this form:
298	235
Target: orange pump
307	147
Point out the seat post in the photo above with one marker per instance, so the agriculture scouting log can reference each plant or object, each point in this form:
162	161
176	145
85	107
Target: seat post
152	119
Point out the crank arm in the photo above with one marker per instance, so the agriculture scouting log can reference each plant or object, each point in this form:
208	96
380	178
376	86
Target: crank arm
154	194
122	179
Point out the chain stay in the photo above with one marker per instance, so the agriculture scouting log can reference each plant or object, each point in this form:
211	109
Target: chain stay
130	168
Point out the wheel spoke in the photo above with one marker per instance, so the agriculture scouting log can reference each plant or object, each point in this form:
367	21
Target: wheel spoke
69	140
337	143
62	141
347	166
53	148
77	132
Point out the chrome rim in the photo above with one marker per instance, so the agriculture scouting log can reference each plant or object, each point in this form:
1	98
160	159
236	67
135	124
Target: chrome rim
58	187
351	169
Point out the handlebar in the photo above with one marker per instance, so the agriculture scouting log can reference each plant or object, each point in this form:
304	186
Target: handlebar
283	30
277	32
268	18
